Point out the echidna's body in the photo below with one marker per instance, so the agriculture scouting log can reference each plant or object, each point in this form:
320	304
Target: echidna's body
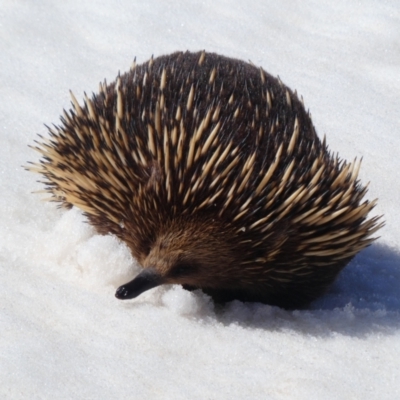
211	171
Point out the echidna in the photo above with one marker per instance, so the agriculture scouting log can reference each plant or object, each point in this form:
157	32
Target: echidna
211	171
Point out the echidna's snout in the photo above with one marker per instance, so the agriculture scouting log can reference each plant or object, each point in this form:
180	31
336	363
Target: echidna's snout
147	279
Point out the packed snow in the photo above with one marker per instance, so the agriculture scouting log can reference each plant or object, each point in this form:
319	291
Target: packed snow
63	335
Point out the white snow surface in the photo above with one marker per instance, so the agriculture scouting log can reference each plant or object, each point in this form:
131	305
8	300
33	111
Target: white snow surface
63	335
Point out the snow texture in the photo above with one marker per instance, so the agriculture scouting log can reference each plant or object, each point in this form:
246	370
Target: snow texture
63	335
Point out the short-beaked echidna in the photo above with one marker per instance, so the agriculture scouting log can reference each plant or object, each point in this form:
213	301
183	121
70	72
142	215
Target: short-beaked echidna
211	171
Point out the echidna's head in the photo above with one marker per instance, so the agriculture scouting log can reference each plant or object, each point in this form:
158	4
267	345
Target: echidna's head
191	254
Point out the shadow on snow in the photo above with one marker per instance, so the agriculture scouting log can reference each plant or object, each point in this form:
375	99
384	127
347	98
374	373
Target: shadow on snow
365	299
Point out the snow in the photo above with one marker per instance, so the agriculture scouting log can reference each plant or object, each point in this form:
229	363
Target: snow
64	335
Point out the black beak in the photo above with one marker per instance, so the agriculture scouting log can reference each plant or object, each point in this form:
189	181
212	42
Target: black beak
146	280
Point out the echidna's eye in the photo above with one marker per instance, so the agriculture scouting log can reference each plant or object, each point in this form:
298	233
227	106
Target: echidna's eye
182	269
